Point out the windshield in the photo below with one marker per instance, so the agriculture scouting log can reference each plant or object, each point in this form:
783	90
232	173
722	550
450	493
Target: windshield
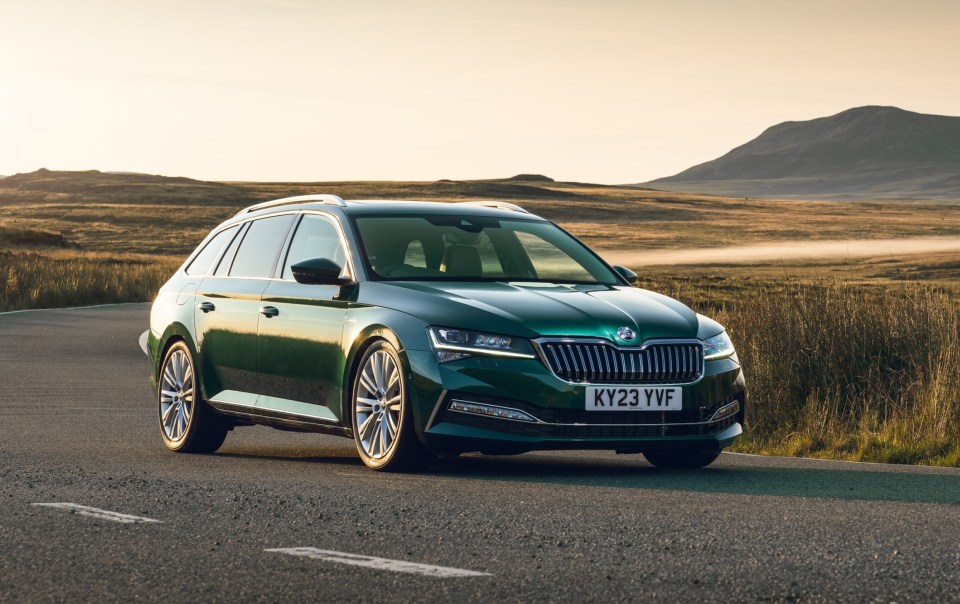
473	248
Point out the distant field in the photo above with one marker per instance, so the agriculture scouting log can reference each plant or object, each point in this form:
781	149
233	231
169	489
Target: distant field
625	224
848	355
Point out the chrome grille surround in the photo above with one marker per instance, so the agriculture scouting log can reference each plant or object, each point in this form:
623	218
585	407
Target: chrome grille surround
600	361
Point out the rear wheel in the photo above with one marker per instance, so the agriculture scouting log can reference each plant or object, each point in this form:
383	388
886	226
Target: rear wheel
382	422
186	423
681	458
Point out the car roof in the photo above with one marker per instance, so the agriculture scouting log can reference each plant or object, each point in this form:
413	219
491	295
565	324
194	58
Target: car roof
380	206
488	208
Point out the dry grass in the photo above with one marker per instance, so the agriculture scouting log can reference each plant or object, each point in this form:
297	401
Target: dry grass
147	228
866	373
840	369
53	279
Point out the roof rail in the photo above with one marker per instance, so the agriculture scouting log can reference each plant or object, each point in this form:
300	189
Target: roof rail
500	205
332	200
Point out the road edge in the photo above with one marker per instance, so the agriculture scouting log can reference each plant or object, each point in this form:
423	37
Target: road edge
23	310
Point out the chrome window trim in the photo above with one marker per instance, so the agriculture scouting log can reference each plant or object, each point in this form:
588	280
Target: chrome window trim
228	224
351	265
283	244
351	272
202	246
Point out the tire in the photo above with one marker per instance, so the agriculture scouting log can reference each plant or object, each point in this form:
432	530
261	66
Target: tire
681	458
380	412
187	425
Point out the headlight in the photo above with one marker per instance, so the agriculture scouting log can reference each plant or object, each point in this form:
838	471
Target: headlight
717	347
452	344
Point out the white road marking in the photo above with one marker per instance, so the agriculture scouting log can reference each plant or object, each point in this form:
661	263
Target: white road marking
143	342
85	510
398	566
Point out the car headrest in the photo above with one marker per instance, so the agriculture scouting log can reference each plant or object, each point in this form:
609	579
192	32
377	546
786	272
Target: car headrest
462	261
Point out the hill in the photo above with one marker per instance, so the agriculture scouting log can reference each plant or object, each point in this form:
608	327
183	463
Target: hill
865	152
94	185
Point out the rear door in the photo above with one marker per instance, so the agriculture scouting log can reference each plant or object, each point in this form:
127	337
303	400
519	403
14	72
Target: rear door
228	309
300	358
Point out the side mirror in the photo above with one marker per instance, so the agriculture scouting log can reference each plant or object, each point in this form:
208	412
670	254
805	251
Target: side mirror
627	274
318	271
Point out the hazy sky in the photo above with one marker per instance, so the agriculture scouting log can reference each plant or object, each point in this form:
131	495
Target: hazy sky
605	91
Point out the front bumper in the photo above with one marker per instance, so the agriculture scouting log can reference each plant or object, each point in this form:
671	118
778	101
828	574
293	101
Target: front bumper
559	419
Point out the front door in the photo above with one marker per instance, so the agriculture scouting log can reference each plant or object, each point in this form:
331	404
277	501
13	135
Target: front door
300	358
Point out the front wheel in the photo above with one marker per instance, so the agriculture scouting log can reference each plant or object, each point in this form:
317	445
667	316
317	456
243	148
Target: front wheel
382	422
681	458
186	423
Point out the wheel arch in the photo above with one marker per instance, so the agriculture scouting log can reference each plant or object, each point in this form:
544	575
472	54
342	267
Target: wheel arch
176	332
364	339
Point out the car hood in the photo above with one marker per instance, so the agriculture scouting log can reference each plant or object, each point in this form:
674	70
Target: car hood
538	309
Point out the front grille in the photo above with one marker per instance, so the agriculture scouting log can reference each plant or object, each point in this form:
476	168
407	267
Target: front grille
598	362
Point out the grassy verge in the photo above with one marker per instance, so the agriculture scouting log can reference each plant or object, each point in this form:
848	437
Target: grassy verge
847	371
54	278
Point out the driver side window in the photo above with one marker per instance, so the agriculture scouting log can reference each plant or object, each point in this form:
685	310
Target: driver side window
316	237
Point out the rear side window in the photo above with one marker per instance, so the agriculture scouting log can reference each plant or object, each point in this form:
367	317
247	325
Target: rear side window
257	256
203	263
224	267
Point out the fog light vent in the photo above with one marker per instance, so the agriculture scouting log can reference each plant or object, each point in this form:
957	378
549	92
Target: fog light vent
491	411
725	411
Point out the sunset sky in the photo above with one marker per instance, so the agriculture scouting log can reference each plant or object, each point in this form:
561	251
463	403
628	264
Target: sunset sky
610	91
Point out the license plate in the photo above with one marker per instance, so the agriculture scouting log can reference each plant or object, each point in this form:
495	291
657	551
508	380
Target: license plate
601	398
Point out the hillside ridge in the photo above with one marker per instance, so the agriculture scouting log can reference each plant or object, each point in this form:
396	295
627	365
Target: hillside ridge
870	151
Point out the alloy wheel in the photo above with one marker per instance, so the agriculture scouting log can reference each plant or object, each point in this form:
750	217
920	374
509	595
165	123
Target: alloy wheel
378	405
176	395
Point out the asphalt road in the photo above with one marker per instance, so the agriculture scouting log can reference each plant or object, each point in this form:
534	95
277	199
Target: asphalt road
77	426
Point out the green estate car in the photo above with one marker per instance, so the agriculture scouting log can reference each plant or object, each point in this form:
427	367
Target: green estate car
421	329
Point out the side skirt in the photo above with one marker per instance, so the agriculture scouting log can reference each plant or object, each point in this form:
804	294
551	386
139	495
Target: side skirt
281	420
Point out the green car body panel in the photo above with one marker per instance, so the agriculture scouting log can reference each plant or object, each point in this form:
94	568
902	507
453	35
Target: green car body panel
295	369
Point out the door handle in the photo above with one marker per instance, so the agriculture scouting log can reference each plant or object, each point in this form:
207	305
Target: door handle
206	306
269	311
